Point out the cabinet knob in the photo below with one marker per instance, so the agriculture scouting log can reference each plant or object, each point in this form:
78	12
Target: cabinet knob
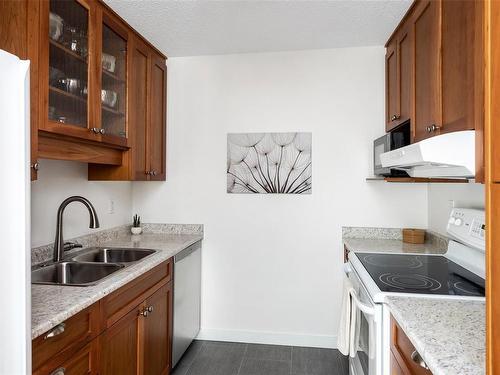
147	173
95	130
433	127
58	371
150	309
395	117
102	131
35	166
144	313
154	173
428	129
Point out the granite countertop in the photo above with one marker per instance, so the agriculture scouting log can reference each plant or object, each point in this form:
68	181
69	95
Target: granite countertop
390	240
449	334
377	245
51	304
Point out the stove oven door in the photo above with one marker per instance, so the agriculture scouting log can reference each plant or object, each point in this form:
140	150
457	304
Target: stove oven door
367	336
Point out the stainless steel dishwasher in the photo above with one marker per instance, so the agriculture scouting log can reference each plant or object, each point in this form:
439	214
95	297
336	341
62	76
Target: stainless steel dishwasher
187	299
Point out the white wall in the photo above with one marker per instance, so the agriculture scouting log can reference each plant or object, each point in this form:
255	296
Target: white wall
58	180
442	197
272	265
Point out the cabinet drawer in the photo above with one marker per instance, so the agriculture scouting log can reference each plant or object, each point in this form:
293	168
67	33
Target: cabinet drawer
402	350
120	302
66	336
81	362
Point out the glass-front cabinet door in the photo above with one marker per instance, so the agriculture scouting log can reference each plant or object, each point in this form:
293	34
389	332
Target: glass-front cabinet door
68	67
113	71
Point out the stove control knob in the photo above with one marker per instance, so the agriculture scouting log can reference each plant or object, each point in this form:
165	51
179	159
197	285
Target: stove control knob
458	222
451	220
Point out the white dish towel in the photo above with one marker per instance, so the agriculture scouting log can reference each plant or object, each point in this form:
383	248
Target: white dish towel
347	328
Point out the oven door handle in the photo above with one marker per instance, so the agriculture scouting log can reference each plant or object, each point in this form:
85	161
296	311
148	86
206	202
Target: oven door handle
369	310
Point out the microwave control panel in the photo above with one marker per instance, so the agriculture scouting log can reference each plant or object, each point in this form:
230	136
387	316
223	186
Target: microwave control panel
468	226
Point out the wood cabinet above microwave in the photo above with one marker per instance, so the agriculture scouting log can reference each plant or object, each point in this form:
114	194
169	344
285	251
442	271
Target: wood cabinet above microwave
80	79
434	71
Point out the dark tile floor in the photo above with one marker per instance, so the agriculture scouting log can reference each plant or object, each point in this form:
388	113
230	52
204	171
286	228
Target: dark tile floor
228	358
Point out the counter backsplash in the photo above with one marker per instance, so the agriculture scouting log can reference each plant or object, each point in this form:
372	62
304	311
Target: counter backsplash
44	253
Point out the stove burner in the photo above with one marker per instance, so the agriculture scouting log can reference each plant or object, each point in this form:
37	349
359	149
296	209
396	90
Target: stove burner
412	281
407	261
468	288
427	259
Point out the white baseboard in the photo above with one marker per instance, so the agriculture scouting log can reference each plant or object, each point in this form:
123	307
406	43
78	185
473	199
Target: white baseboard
270	338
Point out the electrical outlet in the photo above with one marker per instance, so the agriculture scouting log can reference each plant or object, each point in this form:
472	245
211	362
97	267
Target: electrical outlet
111	208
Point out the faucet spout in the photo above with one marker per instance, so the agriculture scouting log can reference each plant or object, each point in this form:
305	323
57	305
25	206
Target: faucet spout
59	241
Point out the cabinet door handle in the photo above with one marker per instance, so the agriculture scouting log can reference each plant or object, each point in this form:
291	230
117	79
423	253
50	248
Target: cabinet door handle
415	357
58	371
434	127
57	330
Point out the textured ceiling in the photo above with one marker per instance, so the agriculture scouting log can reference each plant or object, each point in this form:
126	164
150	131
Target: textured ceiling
204	27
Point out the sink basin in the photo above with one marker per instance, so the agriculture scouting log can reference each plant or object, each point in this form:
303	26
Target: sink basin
73	273
113	255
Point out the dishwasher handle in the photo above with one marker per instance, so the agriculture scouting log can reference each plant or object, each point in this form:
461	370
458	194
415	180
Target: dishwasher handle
186	252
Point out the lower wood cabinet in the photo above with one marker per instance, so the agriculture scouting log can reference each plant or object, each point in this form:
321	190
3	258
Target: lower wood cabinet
120	346
140	342
82	362
127	332
405	359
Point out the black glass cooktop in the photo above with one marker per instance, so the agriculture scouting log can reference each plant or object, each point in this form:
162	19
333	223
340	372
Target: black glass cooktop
425	274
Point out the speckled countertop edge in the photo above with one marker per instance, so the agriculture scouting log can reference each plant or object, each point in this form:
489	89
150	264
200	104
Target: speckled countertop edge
390	240
51	305
449	334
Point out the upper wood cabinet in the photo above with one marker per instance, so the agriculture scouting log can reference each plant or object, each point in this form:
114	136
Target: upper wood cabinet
425	24
83	80
147	82
398	78
434	71
435	76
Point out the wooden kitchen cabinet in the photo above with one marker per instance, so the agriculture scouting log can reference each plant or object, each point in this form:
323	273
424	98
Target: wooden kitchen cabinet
158	332
146	160
436	79
81	86
425	24
436	76
120	345
403	354
398	78
127	332
82	362
140	342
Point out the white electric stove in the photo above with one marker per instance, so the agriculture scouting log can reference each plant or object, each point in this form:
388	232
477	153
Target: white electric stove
458	274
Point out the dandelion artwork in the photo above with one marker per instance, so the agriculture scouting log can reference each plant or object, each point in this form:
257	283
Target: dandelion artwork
269	163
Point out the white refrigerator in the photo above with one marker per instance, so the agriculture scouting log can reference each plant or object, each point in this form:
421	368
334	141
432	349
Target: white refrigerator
15	280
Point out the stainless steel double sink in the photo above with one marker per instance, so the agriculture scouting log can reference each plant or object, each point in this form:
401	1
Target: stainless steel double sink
88	266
